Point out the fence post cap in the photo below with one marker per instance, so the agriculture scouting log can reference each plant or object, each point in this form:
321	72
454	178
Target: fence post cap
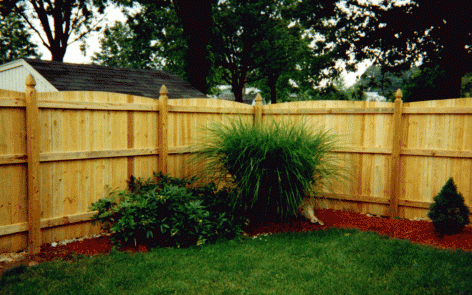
30	82
163	90
258	97
398	94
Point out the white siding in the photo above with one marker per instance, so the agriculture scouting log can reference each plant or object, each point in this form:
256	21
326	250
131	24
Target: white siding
13	76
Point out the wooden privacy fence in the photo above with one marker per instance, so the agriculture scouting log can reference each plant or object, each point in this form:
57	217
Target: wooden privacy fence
60	151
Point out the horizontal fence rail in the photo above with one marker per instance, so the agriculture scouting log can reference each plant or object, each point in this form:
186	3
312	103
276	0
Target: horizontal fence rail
85	144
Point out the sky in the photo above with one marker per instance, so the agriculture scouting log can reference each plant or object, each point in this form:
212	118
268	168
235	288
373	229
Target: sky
112	14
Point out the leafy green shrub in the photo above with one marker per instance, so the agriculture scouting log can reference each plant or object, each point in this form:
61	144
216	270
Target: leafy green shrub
448	212
272	166
168	212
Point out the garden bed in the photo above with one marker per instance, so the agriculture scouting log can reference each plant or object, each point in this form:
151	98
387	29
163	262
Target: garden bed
417	231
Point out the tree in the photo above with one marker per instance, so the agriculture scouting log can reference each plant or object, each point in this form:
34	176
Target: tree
197	22
15	40
245	35
249	42
402	34
324	24
59	20
189	20
151	38
120	47
280	51
269	40
380	79
466	90
423	85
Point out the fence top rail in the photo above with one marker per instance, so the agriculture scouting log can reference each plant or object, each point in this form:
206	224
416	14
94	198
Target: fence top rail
438	110
10	94
309	111
122	102
108	106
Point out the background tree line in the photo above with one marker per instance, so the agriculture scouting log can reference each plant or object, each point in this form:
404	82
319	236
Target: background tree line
286	48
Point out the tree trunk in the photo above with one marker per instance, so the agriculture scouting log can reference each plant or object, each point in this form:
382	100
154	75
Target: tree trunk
273	86
450	86
238	92
455	59
196	18
57	53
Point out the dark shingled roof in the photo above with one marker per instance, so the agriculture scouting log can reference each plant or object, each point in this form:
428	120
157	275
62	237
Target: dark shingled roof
84	77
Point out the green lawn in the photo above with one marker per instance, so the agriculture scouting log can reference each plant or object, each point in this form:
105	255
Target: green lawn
320	262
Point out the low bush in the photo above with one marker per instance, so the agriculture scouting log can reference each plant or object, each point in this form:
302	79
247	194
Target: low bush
168	211
448	213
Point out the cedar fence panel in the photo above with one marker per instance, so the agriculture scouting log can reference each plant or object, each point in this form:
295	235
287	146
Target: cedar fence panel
188	118
93	140
366	135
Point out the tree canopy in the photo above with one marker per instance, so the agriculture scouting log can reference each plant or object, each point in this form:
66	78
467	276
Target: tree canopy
435	34
248	41
252	41
15	40
385	83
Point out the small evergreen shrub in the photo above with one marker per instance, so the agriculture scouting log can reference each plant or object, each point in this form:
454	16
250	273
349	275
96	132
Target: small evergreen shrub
448	212
168	212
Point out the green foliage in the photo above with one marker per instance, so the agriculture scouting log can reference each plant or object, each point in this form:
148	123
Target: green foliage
168	212
384	81
424	85
355	92
402	34
272	165
466	89
15	40
120	48
246	42
448	212
265	44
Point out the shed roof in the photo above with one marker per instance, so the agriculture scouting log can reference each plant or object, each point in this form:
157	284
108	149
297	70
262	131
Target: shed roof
89	77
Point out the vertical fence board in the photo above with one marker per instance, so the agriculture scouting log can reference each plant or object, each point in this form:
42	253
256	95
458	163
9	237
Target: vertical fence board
130	137
163	132
395	160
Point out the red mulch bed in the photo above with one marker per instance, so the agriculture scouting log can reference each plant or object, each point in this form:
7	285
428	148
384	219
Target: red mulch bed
421	232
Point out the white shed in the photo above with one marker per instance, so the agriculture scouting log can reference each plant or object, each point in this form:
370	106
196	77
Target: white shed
13	76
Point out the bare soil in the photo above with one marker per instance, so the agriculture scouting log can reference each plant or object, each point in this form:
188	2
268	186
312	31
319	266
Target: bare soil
417	231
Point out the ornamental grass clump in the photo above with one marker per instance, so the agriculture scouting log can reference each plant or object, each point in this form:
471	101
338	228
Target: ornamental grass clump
449	213
272	166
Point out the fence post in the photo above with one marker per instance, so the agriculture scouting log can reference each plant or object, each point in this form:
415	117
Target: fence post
162	131
258	109
395	158
32	150
130	145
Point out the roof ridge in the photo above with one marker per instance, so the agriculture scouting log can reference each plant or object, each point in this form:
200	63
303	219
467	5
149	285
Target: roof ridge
91	65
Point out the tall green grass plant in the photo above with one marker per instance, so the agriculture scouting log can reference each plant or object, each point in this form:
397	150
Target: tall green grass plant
272	165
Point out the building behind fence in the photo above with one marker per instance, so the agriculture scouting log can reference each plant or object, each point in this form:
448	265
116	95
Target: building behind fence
60	152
